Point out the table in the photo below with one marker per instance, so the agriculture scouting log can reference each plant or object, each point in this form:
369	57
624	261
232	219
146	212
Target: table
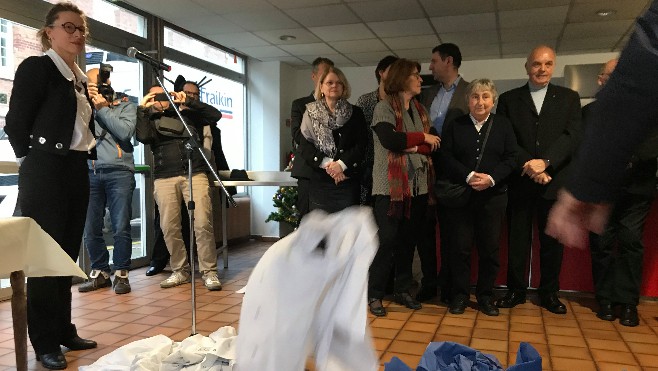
28	251
259	178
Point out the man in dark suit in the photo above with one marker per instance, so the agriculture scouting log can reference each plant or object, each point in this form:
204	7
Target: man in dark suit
617	272
547	123
444	101
300	169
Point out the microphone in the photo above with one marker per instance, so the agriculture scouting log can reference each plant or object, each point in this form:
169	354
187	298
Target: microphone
134	53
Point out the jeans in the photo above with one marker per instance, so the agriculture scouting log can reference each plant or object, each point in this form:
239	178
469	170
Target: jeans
111	187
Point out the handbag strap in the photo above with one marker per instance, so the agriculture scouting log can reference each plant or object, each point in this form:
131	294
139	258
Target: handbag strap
486	137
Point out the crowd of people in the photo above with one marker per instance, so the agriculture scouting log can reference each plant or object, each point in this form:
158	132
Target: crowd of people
439	158
420	158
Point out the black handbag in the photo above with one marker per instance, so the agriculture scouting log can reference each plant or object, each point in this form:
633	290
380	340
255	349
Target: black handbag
451	194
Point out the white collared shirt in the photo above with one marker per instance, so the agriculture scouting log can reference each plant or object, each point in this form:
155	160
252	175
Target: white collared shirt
538	94
82	139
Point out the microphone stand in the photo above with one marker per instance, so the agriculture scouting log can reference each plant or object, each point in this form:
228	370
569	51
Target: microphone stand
191	146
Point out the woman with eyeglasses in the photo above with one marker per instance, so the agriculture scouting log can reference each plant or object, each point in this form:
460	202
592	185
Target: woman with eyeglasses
333	144
50	125
401	179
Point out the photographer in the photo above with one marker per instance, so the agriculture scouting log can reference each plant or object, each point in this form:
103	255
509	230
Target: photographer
111	184
159	127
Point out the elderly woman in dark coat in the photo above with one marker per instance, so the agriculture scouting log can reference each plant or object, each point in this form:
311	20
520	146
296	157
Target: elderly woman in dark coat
478	151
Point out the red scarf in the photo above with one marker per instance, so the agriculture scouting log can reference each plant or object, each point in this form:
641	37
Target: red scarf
398	174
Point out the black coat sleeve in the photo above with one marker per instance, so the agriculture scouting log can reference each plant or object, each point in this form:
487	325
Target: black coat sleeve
27	95
627	110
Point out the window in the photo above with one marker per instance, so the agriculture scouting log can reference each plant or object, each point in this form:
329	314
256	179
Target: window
6	51
228	97
209	53
113	15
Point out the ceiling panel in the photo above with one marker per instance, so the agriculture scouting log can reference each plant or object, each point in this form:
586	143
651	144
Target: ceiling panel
338	59
354	31
467	22
586	12
289	4
407	27
533	33
440	8
428	42
302	36
523	47
238	40
421	55
594	29
355	46
212	25
264	51
529	4
242	6
326	15
387	10
263	20
603	42
470	38
367	59
308	49
533	17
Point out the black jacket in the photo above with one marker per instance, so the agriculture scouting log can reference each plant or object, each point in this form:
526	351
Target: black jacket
640	174
42	109
351	140
169	153
461	145
554	134
299	167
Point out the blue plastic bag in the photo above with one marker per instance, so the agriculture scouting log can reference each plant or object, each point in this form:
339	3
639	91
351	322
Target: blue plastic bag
449	356
396	364
527	359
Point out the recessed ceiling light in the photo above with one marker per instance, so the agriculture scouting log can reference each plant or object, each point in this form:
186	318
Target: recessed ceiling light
287	37
605	12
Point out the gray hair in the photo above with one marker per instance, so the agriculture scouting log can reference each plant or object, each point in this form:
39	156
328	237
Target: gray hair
481	85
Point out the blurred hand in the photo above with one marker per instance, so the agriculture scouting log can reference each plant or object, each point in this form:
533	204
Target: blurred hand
178	96
99	101
92	89
570	220
413	149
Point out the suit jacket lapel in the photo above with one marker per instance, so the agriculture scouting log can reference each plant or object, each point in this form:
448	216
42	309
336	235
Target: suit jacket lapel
527	98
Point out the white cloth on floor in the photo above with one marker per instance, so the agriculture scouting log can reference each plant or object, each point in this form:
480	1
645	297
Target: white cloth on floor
159	353
302	299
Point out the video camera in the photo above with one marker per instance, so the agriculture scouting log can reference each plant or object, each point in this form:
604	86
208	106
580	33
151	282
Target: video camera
104	87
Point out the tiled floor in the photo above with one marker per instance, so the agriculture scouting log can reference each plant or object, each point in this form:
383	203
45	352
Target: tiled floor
575	341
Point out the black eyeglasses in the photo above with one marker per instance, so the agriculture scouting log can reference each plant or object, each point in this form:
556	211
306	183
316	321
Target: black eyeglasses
192	93
70	28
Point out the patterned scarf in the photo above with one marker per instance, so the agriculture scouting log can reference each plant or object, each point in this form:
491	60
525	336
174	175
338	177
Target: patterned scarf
324	122
398	173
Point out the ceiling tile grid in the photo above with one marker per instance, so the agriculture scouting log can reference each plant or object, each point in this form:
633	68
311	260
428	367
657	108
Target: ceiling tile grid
361	32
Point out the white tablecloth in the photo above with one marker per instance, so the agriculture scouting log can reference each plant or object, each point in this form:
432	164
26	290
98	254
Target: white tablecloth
25	246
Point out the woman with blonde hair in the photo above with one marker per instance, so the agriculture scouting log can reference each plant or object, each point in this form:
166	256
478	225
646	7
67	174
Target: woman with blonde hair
50	124
333	144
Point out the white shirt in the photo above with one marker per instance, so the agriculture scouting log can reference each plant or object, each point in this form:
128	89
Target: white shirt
538	93
82	139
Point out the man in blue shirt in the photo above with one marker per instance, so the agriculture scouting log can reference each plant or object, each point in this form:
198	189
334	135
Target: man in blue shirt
444	101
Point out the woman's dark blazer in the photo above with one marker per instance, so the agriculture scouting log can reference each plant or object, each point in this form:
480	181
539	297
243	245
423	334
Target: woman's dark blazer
461	145
351	141
42	109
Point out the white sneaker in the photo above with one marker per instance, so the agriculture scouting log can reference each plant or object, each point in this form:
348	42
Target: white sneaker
211	281
176	278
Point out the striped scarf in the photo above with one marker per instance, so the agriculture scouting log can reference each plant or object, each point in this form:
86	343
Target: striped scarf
398	173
